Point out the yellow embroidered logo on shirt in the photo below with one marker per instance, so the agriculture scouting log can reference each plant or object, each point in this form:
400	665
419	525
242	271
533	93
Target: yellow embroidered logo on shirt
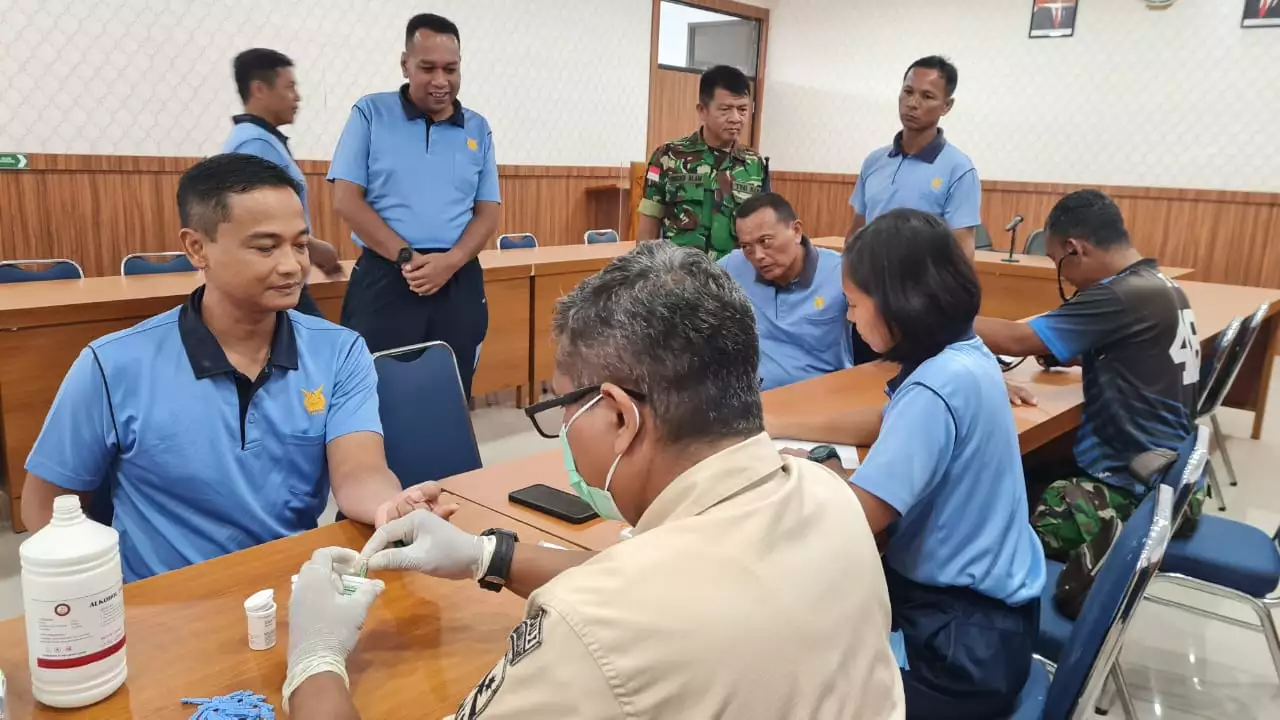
937	183
819	303
313	400
472	145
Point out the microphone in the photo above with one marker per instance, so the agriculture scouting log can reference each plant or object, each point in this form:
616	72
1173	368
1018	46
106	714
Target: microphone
1012	229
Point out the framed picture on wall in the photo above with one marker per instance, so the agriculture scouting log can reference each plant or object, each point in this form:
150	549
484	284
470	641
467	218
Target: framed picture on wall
1053	18
1261	13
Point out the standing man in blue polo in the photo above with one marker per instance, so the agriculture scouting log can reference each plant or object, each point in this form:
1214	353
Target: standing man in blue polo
223	423
920	169
416	177
269	91
795	291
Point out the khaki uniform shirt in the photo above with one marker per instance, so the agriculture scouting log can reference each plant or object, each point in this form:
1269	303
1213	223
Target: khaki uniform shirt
751	589
694	191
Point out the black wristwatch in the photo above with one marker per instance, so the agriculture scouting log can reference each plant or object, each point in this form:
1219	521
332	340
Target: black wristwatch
822	453
405	255
495	576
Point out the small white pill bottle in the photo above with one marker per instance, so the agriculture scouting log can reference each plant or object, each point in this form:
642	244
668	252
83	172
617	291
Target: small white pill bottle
260	609
73	596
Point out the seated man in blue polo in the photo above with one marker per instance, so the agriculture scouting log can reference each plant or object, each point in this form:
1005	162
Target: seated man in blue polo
416	177
795	292
920	169
221	424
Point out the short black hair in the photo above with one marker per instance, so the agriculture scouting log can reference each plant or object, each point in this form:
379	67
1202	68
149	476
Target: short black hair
722	77
1088	215
950	75
205	187
257	64
771	200
923	285
437	24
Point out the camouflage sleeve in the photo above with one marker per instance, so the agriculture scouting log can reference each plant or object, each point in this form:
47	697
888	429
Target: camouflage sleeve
654	201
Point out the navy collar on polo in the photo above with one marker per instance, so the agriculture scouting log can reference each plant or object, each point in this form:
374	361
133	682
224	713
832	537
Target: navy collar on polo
905	370
207	356
413	112
804	280
930	152
264	124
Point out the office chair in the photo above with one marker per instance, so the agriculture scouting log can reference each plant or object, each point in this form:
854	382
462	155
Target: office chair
426	426
1214	392
517	241
16	271
1087	650
155	263
981	238
597	237
1037	244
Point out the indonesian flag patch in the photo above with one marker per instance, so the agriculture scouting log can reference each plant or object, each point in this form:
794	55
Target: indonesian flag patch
654	174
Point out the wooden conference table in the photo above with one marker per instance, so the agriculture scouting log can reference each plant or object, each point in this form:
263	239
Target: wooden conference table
45	325
427	642
1013	291
1058	392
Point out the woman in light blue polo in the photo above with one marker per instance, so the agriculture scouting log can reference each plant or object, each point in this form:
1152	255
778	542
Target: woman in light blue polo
942	485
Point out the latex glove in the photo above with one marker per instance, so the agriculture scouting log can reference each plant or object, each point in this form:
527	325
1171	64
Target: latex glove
433	547
324	624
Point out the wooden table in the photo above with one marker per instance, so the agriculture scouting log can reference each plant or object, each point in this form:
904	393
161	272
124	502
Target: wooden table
1013	291
489	487
45	325
426	644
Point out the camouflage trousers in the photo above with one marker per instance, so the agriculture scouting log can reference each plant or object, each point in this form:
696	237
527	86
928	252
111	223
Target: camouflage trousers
1064	525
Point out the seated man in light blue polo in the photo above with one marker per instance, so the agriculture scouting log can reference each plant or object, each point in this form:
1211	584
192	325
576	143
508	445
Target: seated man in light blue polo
220	424
921	170
795	291
415	176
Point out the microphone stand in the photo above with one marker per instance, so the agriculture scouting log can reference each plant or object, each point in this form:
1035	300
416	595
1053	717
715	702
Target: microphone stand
1013	243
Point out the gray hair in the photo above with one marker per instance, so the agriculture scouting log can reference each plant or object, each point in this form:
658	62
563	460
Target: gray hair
668	322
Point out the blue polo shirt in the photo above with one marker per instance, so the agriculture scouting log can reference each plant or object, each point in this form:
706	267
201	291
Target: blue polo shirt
939	179
803	326
253	135
947	460
423	178
201	460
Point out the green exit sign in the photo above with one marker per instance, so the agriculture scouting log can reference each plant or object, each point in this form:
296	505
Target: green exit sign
13	161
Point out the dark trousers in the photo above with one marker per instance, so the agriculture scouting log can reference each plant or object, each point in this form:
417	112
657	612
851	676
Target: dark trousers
307	304
380	306
969	654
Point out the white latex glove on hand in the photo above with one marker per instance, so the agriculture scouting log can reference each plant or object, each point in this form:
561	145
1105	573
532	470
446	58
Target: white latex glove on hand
324	624
433	547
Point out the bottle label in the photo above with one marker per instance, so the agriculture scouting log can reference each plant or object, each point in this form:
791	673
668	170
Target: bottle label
80	631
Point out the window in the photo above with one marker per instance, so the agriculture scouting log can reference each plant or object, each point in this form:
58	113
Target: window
691	38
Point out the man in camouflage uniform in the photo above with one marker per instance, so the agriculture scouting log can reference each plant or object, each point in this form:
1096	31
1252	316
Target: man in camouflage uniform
693	185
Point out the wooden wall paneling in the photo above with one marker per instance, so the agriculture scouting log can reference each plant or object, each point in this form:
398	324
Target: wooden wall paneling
821	200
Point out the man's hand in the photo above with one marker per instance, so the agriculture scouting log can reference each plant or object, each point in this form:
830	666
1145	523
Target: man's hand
1019	395
424	496
324	624
325	257
432	546
428	273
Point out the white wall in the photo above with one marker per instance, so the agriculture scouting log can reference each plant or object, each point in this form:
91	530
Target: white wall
1179	98
562	82
673	31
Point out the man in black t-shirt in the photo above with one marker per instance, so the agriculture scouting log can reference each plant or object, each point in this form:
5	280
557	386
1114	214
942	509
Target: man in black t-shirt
1134	333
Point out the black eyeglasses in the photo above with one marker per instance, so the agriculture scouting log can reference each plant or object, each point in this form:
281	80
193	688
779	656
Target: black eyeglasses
548	423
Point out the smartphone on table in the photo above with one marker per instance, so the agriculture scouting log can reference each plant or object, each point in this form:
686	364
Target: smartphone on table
556	503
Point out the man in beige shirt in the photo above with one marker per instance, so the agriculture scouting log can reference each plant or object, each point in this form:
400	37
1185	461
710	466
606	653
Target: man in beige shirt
752	587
